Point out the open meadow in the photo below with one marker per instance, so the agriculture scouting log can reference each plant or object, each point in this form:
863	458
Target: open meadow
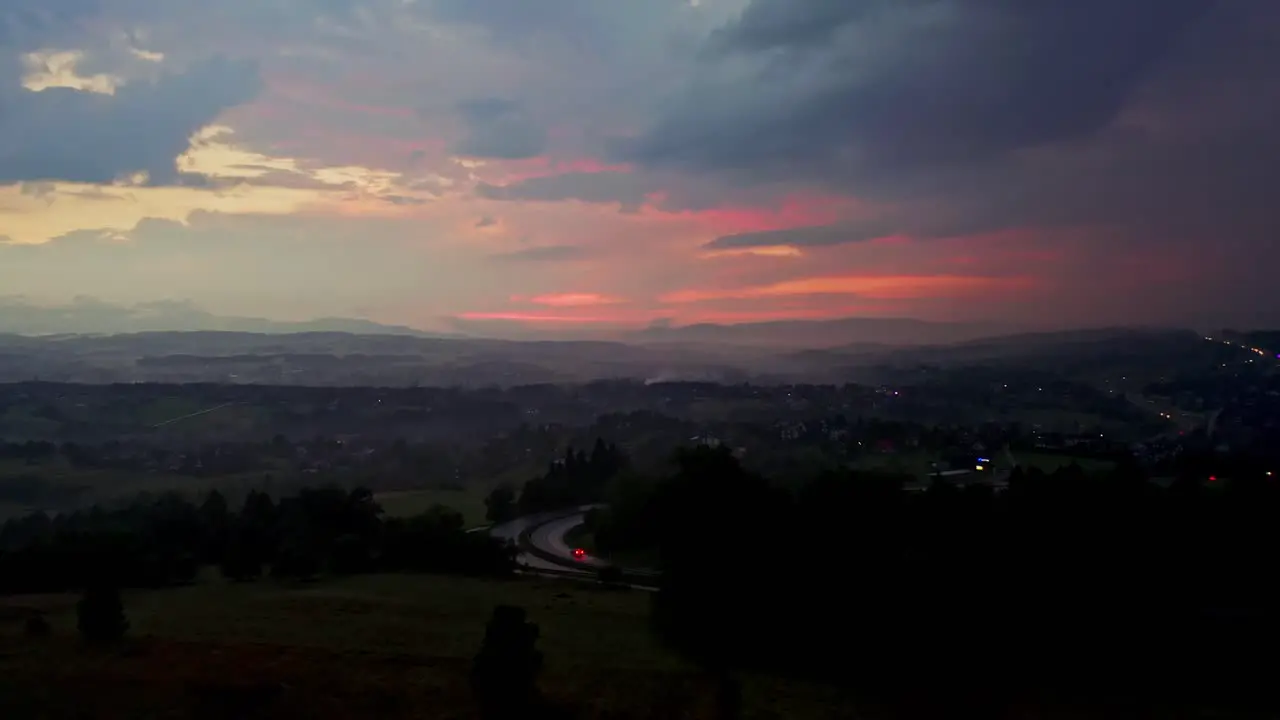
370	646
407	503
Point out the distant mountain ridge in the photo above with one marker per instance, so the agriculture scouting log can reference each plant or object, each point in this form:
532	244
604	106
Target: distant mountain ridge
816	334
88	316
719	343
91	316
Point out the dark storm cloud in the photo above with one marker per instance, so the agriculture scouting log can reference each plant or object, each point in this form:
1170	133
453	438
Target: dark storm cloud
815	236
869	86
1155	119
501	129
779	23
65	134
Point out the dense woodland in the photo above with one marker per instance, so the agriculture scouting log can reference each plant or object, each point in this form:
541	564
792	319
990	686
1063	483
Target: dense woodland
1067	581
165	542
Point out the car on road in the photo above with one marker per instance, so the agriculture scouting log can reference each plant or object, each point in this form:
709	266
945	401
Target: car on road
579	554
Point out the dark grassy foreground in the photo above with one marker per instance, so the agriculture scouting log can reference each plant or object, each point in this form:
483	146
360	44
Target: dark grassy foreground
376	646
401	647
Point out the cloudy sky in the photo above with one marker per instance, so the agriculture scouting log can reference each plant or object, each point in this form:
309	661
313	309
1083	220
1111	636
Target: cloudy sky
452	163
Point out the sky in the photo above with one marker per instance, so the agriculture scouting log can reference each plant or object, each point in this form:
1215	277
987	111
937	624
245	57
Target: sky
473	164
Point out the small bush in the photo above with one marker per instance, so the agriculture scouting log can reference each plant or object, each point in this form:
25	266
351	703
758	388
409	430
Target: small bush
505	673
100	616
36	626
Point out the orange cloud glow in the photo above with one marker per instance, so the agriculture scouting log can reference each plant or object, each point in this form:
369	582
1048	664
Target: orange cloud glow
876	287
792	211
535	318
562	300
779	251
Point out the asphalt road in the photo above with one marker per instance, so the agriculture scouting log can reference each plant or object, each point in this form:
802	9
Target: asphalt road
550	538
547	532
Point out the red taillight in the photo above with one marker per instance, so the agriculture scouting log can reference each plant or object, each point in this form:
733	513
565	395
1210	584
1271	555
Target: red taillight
579	552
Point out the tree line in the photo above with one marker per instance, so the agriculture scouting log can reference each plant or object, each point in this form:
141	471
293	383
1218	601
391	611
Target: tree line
576	478
160	542
1068	580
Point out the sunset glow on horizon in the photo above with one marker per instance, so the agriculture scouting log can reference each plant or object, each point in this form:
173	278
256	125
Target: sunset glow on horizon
439	162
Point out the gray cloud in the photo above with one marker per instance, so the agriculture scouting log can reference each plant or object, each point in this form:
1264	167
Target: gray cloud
402	200
867	87
768	24
64	134
500	128
815	236
30	24
590	26
546	253
627	189
1153	122
515	17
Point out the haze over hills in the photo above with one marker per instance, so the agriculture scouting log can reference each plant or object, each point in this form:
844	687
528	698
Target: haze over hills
86	315
865	332
91	316
336	358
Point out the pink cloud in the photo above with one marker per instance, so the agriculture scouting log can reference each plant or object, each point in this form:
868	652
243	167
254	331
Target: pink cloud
878	287
536	318
563	300
506	172
295	89
793	211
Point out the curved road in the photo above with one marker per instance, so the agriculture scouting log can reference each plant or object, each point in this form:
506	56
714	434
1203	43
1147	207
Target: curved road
546	533
550	538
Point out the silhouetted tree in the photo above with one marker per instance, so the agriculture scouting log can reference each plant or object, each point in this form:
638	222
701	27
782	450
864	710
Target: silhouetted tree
242	558
349	555
100	615
296	559
500	505
574	479
216	521
714	509
36	626
505	673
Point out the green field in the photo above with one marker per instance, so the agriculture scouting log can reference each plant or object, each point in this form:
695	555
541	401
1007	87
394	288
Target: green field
403	643
64	487
407	503
1050	462
916	464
